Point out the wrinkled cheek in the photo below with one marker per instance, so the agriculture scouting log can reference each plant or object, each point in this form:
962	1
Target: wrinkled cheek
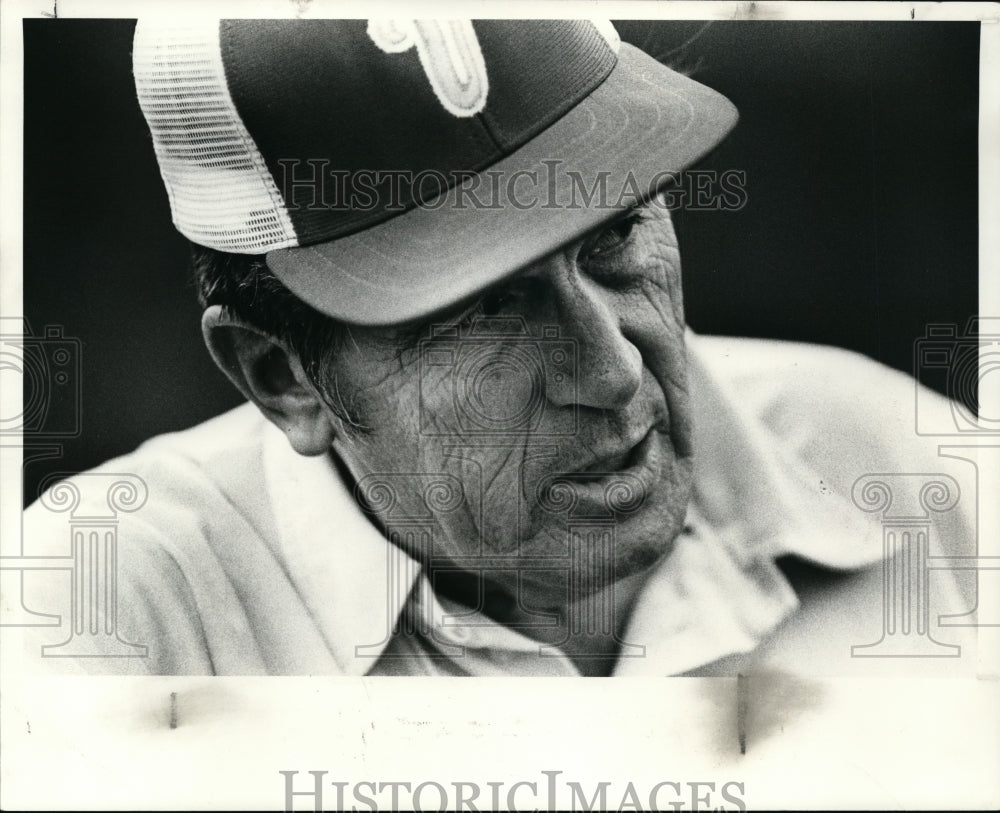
428	439
661	329
491	476
665	296
660	332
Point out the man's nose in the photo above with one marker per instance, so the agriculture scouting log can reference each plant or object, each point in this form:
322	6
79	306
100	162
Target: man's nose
608	366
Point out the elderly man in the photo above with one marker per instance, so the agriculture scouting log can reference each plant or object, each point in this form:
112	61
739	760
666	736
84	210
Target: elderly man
438	260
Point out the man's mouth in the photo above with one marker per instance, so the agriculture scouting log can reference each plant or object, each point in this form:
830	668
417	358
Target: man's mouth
618	481
617	462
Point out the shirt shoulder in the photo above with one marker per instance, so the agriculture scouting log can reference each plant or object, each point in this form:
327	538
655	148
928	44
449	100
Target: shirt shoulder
829	421
832	405
182	484
170	544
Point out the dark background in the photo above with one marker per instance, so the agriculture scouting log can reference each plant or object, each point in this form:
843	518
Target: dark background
859	141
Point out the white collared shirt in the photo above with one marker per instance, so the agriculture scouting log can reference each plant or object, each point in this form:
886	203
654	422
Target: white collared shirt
250	559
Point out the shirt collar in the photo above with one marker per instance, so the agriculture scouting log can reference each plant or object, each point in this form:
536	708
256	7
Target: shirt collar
352	580
717	593
752	486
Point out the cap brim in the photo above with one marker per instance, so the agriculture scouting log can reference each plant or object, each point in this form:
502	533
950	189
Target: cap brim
644	121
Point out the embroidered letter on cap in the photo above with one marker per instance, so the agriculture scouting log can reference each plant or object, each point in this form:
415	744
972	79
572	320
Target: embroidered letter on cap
449	53
607	30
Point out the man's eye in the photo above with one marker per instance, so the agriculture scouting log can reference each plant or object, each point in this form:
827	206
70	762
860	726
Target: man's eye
492	303
611	238
495	303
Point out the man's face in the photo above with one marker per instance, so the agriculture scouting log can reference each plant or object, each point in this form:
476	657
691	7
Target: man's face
543	432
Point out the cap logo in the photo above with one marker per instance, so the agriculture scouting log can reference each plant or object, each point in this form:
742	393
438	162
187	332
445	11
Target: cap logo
449	53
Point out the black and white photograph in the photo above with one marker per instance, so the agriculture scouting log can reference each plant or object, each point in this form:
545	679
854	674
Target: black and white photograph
500	408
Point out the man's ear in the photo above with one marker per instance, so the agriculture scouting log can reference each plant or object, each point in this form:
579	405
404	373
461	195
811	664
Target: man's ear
271	376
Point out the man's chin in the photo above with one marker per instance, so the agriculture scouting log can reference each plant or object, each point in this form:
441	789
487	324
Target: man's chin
590	559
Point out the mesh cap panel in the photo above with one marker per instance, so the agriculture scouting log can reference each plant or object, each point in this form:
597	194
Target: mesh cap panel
221	193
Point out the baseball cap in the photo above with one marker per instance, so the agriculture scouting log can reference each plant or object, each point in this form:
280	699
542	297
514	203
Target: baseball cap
391	168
